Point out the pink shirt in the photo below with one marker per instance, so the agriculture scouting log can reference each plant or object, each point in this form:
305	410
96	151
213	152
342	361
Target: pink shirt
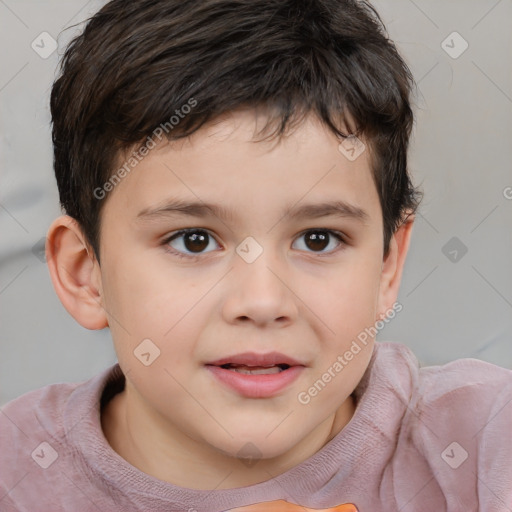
422	439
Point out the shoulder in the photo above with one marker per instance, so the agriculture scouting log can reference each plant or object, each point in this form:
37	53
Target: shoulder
462	409
22	415
465	384
443	386
31	437
34	431
455	432
467	398
48	408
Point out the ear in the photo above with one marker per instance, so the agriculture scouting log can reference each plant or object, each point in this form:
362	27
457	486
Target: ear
75	273
392	266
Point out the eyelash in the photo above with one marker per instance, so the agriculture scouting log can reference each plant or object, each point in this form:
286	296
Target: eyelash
191	257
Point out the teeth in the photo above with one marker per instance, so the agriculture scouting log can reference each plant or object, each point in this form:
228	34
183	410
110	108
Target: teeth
259	371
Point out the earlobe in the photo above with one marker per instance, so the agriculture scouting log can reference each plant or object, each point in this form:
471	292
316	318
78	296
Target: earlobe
75	273
393	265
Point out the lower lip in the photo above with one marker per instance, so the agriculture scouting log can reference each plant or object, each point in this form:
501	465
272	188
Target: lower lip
256	386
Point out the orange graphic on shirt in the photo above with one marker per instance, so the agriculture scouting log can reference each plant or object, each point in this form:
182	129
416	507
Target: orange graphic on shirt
284	506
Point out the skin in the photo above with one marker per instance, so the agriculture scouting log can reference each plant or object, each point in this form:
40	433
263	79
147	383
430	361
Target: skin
174	420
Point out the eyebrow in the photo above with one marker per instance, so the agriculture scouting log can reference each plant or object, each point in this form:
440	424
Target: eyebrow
176	207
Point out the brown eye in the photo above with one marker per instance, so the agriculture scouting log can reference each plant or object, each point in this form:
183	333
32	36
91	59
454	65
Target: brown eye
191	241
318	240
196	241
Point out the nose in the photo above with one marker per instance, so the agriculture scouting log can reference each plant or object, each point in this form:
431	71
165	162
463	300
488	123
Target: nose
260	293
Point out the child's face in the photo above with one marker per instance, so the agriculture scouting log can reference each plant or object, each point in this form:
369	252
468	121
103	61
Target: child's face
307	295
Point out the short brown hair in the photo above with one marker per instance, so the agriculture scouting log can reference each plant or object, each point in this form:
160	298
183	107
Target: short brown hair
138	62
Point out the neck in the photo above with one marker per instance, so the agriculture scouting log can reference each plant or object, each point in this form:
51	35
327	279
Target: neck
163	451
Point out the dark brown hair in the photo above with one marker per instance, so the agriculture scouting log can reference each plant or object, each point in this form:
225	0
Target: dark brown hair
138	62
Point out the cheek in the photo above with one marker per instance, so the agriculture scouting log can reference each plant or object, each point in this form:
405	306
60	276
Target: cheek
142	304
347	301
139	295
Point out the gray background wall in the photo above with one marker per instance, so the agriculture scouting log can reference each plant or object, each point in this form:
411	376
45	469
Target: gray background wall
456	303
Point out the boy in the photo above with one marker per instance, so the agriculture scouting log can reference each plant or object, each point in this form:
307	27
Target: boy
238	213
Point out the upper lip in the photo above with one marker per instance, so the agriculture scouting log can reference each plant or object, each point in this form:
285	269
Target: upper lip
255	359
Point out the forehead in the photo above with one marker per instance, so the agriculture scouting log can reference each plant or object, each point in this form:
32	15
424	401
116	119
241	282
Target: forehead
227	163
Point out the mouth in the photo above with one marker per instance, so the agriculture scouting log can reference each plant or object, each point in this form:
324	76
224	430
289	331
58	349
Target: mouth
256	370
252	362
256	375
